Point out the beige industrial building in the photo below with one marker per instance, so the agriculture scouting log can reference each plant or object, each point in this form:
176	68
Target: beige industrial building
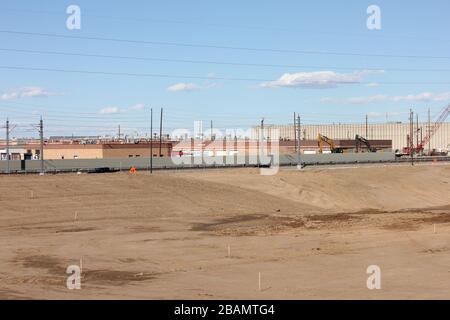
397	132
105	150
60	151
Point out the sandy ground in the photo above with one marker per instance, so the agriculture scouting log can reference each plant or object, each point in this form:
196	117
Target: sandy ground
310	234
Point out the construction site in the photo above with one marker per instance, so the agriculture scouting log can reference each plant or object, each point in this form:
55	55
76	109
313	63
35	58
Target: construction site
305	232
317	166
386	143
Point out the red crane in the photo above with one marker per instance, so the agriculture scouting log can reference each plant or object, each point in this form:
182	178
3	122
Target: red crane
434	128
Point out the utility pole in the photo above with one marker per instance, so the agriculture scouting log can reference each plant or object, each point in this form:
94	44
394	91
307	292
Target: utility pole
262	129
299	162
41	133
421	135
151	140
411	135
261	141
8	168
119	133
367	127
212	131
429	131
417	130
295	131
160	132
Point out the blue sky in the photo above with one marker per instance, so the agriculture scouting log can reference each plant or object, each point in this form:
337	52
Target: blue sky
232	95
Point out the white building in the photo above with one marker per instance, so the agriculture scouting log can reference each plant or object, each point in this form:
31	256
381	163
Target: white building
397	132
16	153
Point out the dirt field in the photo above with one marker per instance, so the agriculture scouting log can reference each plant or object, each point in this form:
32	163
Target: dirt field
310	234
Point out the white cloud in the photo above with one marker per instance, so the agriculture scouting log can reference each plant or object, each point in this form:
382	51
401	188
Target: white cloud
183	87
442	96
371	71
328	100
109	110
425	96
137	107
318	79
372	85
357	100
115	110
365	100
27	92
421	97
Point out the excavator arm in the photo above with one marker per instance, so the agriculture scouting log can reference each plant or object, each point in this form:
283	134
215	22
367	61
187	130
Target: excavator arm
361	140
323	139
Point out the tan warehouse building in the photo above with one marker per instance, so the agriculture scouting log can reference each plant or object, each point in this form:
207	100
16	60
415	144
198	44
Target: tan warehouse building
105	151
55	151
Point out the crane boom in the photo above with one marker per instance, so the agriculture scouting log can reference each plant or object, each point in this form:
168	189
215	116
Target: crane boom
444	114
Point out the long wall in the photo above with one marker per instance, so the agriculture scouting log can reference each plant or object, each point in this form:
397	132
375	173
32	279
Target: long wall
169	163
396	132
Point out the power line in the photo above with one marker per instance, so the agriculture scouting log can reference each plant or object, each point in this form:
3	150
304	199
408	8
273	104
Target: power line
180	112
235	118
168	76
107	123
209	46
152	75
227	63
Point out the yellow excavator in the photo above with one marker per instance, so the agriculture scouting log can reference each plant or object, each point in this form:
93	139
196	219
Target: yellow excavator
321	139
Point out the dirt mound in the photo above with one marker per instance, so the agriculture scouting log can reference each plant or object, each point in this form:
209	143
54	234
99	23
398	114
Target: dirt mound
350	189
208	234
